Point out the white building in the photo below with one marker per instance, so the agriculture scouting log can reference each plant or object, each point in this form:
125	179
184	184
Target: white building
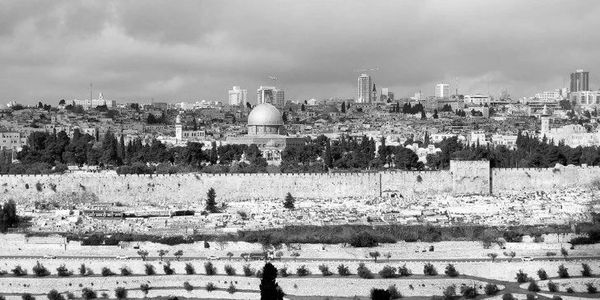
586	99
12	141
442	90
365	87
509	141
477	99
93	103
550	96
271	95
238	96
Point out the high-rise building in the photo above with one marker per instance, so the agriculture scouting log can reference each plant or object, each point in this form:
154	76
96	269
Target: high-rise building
270	94
442	90
238	96
365	86
386	95
580	81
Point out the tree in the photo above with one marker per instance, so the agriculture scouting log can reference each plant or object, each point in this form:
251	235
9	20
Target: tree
521	277
375	255
211	203
564	252
380	294
88	294
55	295
451	271
143	254
178	254
289	201
493	256
162	253
269	289
120	293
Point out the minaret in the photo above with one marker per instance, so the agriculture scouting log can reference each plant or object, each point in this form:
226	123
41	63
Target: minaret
178	129
545	117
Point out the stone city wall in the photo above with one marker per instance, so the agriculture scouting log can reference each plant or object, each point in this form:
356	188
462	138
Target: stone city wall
532	179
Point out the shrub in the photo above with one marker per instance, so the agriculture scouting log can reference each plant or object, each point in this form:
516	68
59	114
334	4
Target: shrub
364	272
404	271
429	270
388	272
229	270
62	271
563	272
533	286
259	273
283	272
556	297
450	292
149	269
189	269
550	253
27	296
82	270
210	287
591	288
248	271
120	293
168	269
363	239
107	272
451	271
55	295
231	289
586	271
377	294
508	296
552	287
468	292
393	291
343	270
88	294
542	274
302	271
570	290
125	271
491	289
39	270
144	287
325	270
188	287
530	297
70	295
209	269
521	277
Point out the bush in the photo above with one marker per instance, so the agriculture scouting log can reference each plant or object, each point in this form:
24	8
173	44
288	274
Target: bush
393	291
168	269
209	269
586	271
302	271
591	288
550	253
120	293
189	269
259	273
364	272
39	270
88	294
149	269
533	286
570	290
468	292
451	271
27	296
82	270
125	271
556	297
62	271
144	287
283	272
107	272
231	289
187	286
429	270
55	295
530	297
388	272
377	294
325	270
491	289
521	277
343	270
508	296
450	292
563	272
542	274
210	287
248	271
364	239
404	271
552	287
229	270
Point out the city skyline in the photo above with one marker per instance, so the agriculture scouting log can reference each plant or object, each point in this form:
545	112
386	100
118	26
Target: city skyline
185	51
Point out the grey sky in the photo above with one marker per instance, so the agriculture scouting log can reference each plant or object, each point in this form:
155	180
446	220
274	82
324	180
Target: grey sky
193	50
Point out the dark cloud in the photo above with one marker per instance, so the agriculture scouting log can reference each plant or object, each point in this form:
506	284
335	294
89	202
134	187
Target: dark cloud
192	50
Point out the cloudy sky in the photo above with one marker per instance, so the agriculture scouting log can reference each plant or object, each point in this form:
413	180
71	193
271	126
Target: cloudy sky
194	50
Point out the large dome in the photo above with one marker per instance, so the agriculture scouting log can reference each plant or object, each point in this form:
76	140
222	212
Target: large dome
265	115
